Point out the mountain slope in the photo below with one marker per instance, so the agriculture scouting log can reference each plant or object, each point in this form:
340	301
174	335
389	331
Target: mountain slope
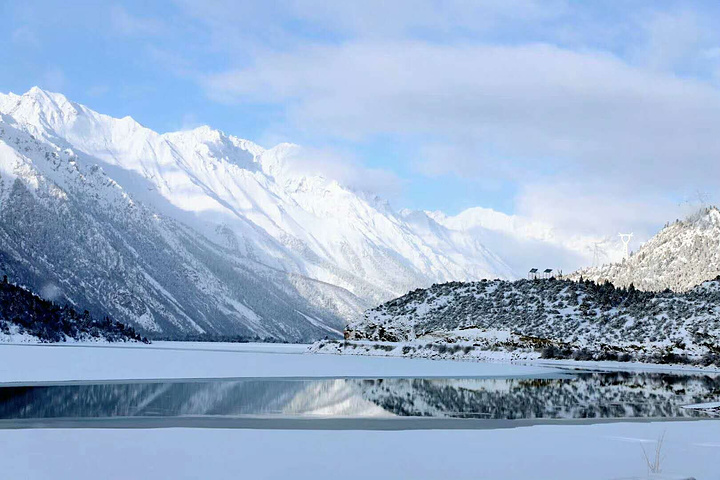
202	232
83	240
681	256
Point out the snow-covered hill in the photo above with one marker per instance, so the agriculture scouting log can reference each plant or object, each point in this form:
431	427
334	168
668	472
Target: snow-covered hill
681	256
581	319
202	232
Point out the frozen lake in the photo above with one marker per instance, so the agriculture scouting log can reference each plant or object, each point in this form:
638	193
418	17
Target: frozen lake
362	403
231	411
578	396
24	364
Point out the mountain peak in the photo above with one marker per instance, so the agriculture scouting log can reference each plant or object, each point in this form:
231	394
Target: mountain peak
218	145
203	133
44	97
40	109
207	131
39	91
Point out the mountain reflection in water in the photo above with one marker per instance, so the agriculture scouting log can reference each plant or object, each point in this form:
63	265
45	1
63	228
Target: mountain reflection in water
581	396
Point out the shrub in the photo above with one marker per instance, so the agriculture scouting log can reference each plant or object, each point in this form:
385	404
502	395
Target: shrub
624	357
582	354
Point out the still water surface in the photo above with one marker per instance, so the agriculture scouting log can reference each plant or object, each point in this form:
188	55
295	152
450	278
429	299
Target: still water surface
598	396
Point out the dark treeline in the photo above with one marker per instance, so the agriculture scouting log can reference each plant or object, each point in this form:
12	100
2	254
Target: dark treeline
23	312
211	337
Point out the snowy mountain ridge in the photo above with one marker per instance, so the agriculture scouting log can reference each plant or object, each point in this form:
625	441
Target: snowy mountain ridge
198	231
682	255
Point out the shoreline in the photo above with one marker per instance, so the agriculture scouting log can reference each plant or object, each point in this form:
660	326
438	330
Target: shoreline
369	349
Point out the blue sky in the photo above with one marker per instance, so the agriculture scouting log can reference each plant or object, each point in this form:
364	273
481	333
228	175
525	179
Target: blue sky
600	115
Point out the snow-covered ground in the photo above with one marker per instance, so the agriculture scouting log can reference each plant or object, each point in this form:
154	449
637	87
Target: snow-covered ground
423	349
52	363
601	452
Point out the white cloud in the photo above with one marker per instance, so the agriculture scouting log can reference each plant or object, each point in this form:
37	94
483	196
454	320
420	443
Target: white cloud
510	112
553	100
345	169
533	101
595	205
678	41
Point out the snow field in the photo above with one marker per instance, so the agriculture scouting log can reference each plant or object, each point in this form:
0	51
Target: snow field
52	363
595	452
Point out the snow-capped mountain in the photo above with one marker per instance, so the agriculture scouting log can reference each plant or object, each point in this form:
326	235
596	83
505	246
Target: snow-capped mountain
681	256
526	243
202	232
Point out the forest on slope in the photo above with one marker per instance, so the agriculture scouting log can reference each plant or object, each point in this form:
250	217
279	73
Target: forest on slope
25	317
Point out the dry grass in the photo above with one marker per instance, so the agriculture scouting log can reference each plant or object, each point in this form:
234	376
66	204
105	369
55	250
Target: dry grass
655	465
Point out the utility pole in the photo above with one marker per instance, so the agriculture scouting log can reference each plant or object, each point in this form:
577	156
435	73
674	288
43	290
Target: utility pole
625	239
